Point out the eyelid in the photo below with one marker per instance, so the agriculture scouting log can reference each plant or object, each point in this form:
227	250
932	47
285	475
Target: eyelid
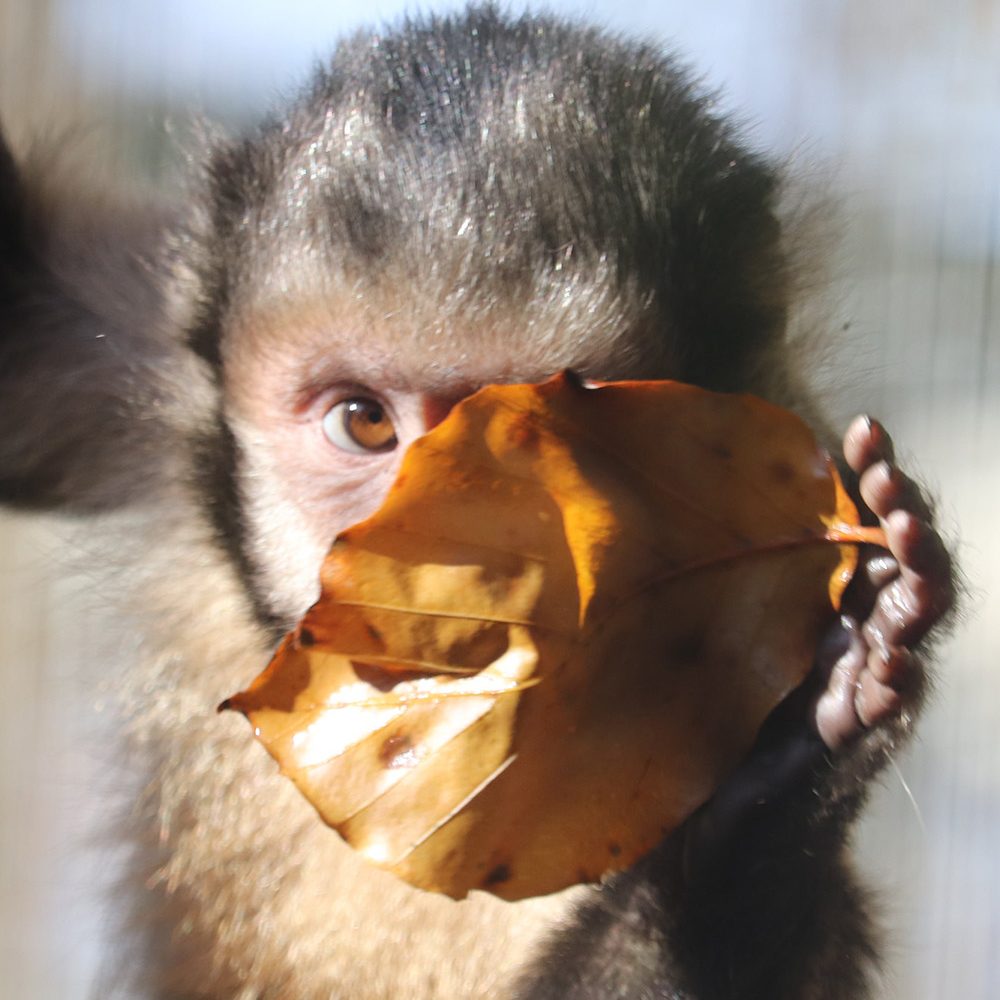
314	402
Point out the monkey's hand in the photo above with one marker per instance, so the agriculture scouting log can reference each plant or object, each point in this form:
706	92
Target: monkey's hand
868	678
872	673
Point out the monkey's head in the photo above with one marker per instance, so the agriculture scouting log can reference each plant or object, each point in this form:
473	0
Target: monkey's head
469	201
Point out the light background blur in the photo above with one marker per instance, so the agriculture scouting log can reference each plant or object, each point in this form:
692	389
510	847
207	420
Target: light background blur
895	104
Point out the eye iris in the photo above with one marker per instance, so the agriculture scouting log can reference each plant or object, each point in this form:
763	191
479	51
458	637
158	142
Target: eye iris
367	425
360	425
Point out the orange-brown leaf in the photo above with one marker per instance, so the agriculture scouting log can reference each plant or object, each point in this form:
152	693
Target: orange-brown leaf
561	631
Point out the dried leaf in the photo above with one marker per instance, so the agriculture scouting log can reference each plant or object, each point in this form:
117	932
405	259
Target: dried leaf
560	633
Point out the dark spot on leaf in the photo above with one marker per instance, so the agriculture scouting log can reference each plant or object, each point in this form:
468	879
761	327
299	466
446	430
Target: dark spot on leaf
373	632
383	678
482	648
721	450
306	638
781	472
397	751
614	849
501	873
686	648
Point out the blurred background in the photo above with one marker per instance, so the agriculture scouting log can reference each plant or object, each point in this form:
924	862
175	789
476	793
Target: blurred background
891	106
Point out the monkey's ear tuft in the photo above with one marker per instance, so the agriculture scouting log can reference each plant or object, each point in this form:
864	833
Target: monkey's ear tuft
14	244
96	393
9	190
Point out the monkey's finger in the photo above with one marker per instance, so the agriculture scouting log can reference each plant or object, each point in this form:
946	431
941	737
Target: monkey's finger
896	667
907	607
884	488
867	442
876	569
835	716
883	687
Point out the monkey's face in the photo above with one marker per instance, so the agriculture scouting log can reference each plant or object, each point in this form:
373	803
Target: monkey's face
323	404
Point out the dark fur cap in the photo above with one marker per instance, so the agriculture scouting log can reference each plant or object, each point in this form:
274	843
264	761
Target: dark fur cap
487	157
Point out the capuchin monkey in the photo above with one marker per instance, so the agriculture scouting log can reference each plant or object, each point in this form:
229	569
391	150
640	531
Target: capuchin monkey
219	390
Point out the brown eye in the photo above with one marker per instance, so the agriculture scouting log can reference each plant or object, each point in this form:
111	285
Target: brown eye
359	425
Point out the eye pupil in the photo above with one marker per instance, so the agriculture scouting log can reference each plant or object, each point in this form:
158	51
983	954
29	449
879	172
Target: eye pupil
365	411
360	425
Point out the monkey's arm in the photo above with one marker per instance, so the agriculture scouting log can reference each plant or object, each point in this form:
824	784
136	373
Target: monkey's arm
82	425
753	898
